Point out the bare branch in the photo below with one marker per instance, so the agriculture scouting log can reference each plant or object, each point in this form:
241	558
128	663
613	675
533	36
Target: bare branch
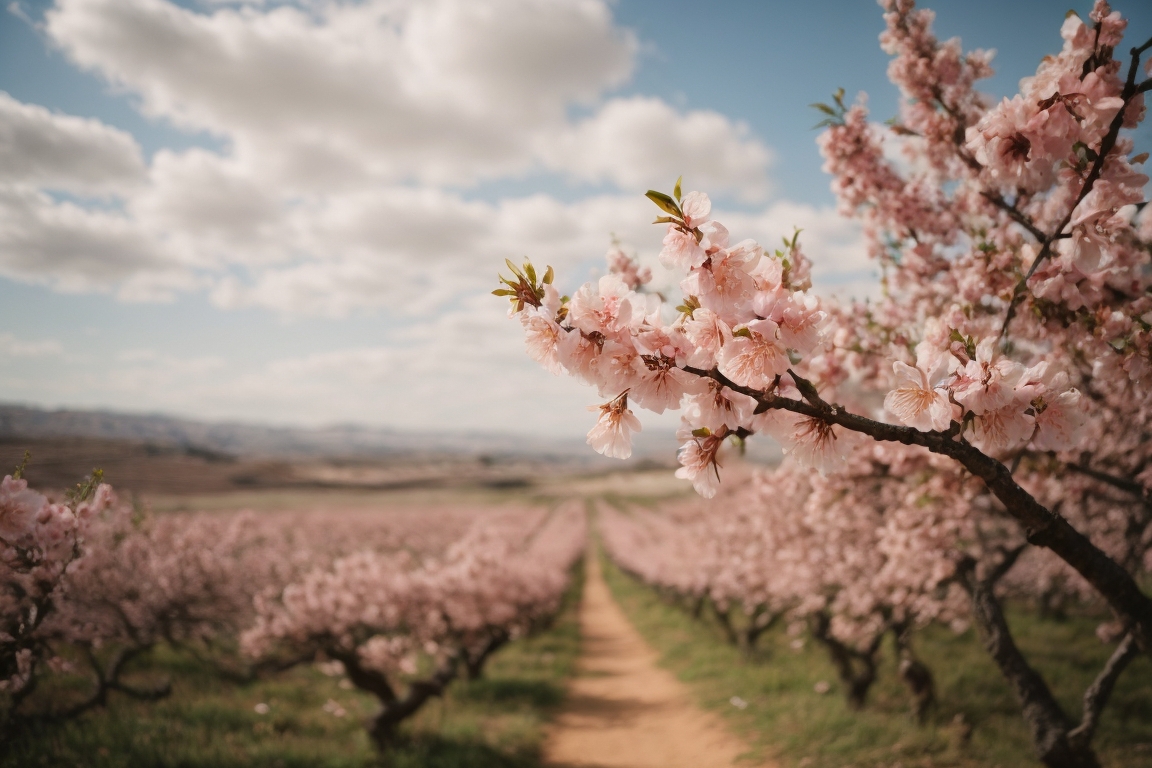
1097	694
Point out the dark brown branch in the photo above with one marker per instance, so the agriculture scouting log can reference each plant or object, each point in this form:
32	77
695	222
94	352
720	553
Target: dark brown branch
1015	213
1106	145
855	668
1042	527
474	662
106	679
364	678
1121	483
1046	720
1097	694
382	727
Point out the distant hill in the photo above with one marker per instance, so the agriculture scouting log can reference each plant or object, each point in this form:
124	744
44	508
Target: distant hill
252	440
157	453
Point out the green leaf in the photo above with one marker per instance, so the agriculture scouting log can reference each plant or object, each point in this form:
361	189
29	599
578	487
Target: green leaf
824	108
19	471
742	332
666	204
676	189
665	220
503	292
531	272
549	276
515	270
701	432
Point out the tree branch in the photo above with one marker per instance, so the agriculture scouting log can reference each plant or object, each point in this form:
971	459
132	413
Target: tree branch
1106	145
1042	527
1121	483
1097	694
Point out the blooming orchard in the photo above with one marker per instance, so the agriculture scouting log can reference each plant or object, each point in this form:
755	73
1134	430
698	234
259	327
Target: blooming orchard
1013	339
381	615
92	583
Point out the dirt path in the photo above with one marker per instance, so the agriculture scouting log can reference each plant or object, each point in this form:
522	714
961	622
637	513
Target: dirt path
622	711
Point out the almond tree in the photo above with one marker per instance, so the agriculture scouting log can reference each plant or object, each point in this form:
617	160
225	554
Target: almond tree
1013	337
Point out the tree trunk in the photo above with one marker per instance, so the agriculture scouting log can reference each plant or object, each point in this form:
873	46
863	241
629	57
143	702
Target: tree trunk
1047	723
855	668
474	663
382	726
725	619
915	674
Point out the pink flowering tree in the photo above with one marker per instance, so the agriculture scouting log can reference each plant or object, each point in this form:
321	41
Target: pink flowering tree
1013	337
404	628
40	541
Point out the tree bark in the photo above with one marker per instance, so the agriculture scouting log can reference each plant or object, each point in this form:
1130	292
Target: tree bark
1047	723
915	674
382	726
855	668
1042	527
474	663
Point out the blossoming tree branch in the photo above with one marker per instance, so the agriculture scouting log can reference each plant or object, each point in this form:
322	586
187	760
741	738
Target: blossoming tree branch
1013	337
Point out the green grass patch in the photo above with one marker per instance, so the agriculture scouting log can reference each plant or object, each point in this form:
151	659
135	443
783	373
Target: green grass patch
494	722
786	718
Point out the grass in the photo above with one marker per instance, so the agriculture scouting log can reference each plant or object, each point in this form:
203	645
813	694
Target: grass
786	719
494	722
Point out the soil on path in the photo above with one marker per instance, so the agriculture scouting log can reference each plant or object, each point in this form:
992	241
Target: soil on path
623	711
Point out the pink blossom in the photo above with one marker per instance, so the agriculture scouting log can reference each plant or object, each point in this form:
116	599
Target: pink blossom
612	435
756	359
681	250
810	442
1004	428
1060	422
915	402
982	385
696	207
698	459
542	336
718	408
708	334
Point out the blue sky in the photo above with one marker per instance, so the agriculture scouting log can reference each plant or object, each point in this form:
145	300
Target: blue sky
333	266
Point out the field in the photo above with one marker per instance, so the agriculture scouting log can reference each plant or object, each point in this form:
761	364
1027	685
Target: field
786	718
311	717
312	720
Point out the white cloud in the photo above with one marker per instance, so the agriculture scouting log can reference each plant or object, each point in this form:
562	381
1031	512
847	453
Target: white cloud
642	143
352	134
44	149
443	92
76	249
348	128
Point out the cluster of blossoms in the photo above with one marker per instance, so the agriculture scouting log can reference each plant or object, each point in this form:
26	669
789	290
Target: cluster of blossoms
39	541
386	616
1013	337
746	314
854	556
92	583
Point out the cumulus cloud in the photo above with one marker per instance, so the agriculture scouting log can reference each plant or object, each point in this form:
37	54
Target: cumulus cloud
44	149
77	249
643	143
446	91
354	139
352	131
